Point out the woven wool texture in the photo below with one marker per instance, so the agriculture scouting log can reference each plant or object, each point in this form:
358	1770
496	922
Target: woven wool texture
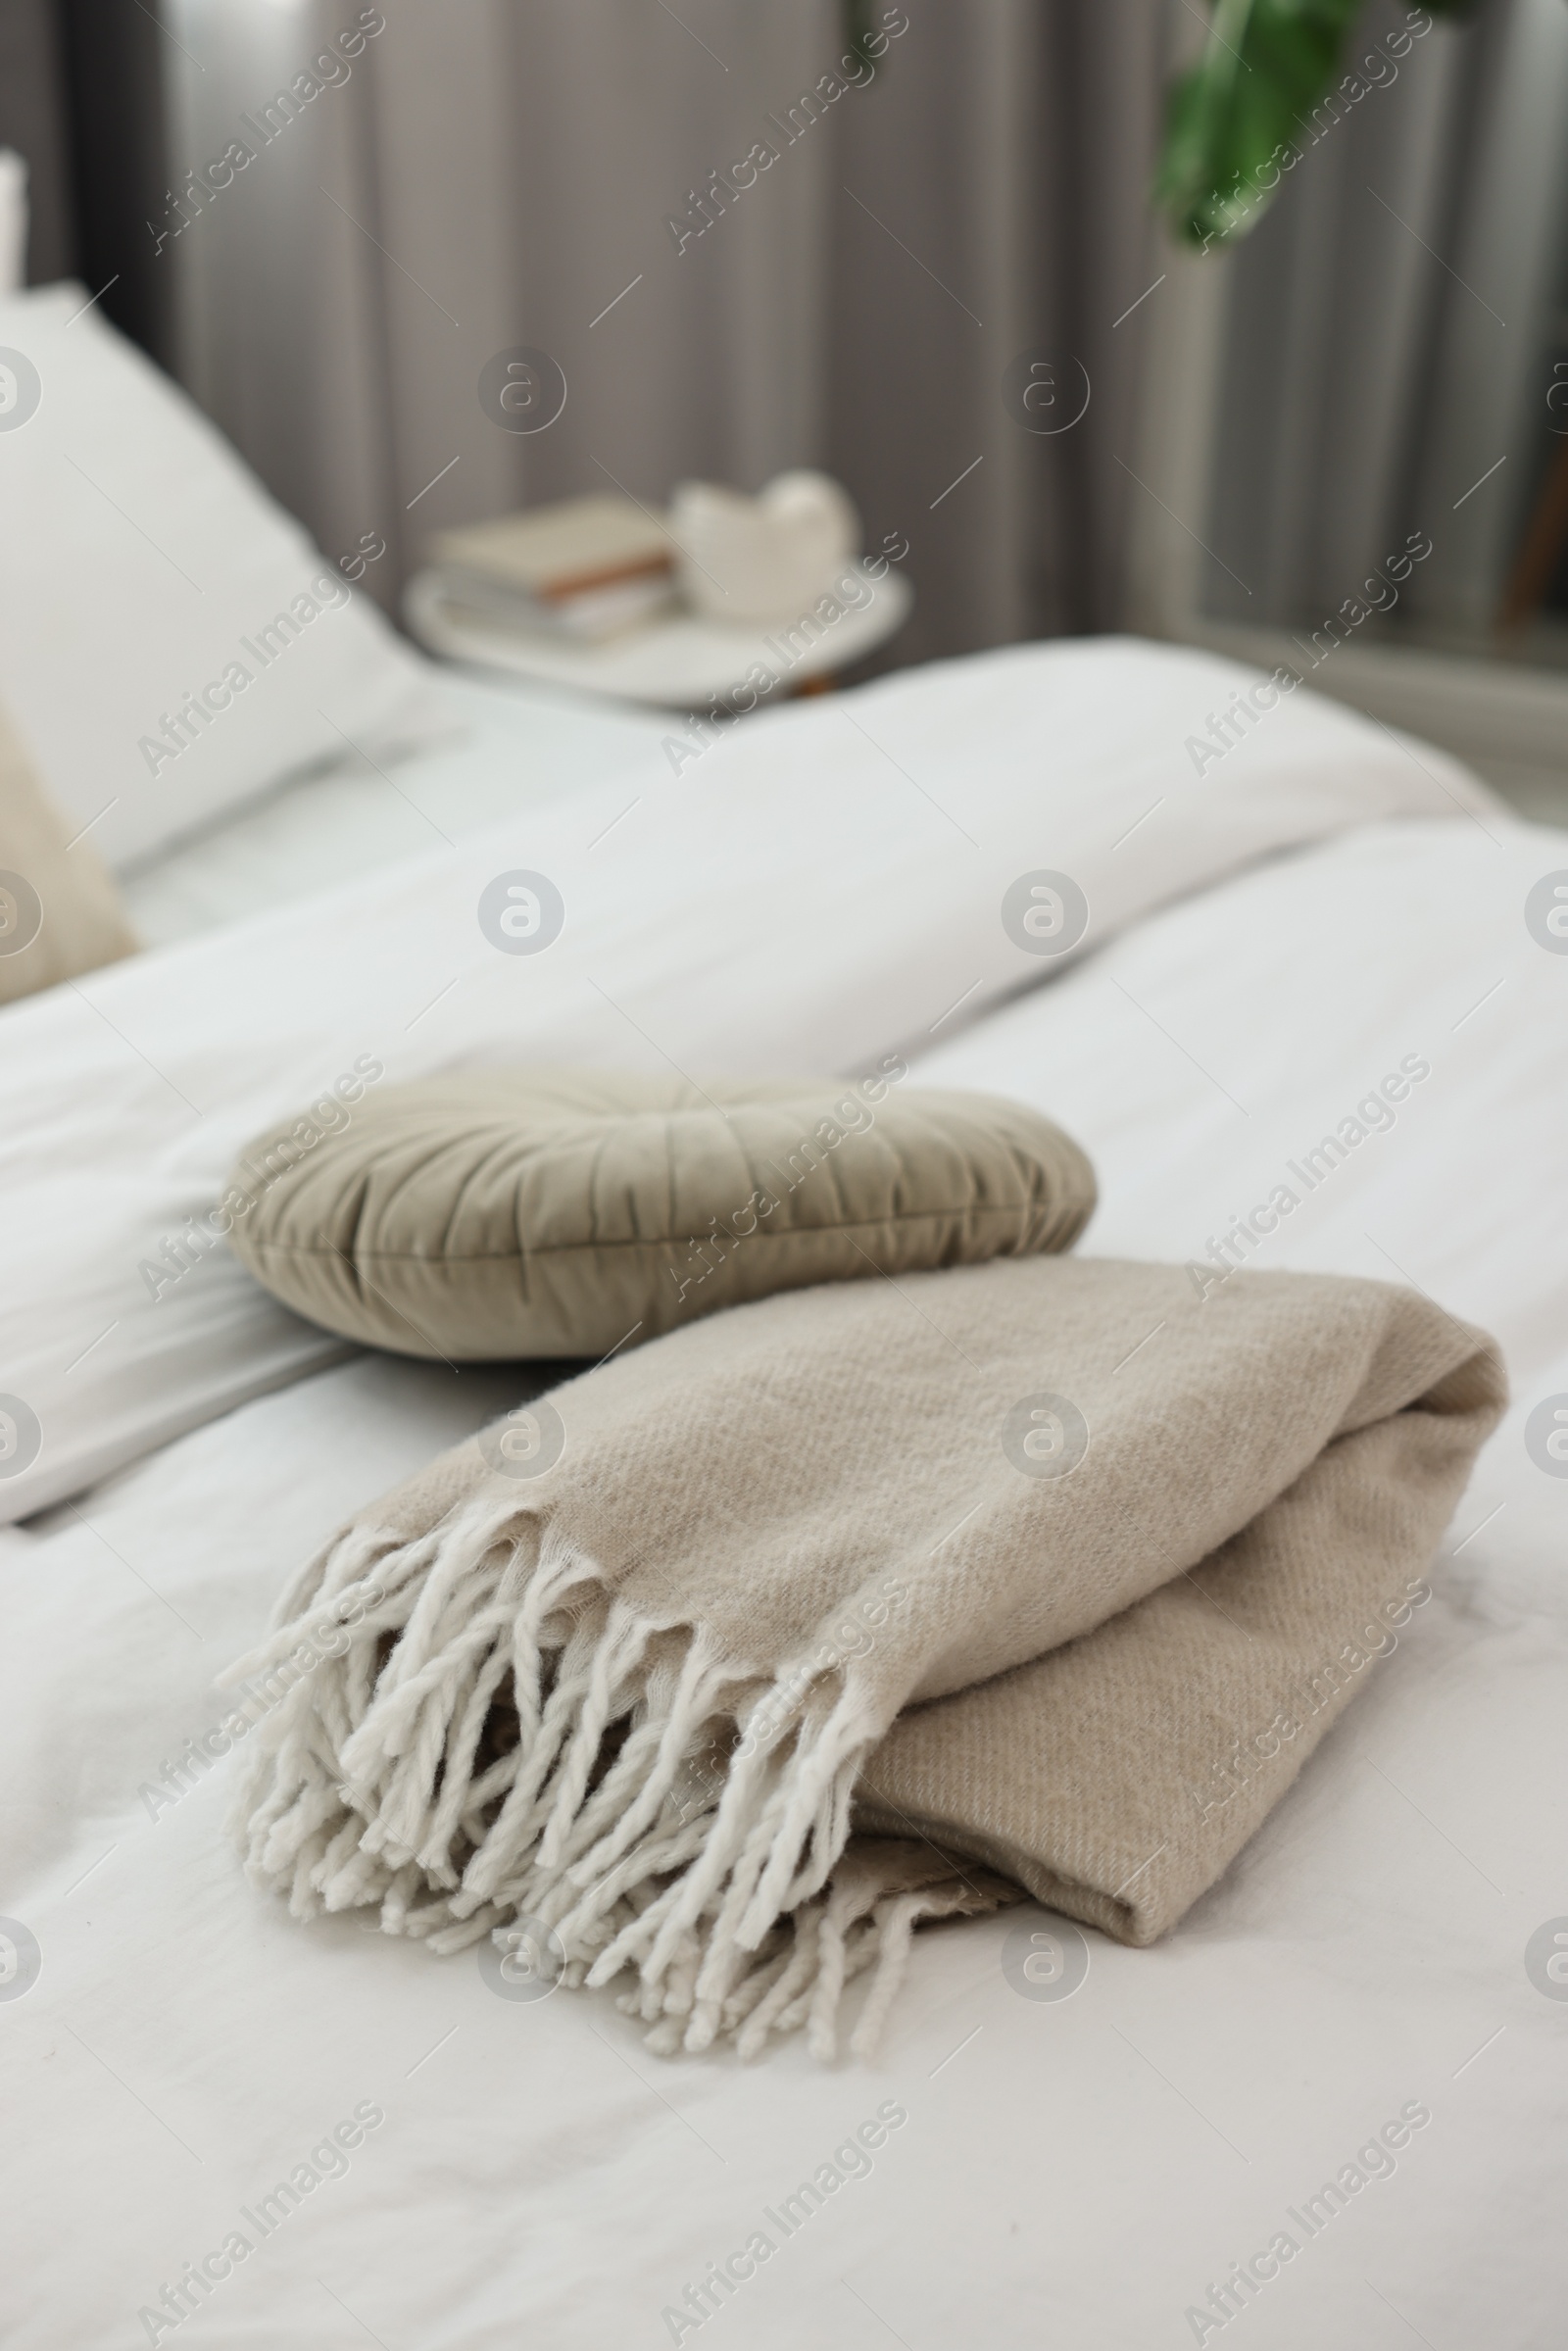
1010	1557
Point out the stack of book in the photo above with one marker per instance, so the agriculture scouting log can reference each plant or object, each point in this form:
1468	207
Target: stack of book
584	570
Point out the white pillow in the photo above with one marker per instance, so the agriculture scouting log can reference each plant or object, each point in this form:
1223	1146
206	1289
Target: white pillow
142	565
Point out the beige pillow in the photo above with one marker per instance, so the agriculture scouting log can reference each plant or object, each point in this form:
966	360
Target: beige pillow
511	1214
60	914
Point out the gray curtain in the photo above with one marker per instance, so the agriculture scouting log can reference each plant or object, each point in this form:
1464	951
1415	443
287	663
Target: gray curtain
1392	328
504	173
32	121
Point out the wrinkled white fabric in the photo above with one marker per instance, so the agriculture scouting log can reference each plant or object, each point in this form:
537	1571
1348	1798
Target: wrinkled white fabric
826	882
1104	2158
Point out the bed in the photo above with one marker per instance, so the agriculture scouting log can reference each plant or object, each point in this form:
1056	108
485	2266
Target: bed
1082	2168
1380	1969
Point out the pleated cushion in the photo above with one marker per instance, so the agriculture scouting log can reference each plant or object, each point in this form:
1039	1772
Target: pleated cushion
514	1213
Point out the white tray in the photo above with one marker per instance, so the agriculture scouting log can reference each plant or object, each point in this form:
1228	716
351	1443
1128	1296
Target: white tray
681	664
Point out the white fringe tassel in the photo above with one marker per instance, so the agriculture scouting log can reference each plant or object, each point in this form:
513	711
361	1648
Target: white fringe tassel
740	1909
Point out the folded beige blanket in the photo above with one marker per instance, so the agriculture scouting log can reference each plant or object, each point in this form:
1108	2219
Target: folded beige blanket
729	1659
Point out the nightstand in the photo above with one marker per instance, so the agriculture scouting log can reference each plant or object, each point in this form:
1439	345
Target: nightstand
684	663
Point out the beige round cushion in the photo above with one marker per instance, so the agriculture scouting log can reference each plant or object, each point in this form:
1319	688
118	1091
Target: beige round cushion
506	1213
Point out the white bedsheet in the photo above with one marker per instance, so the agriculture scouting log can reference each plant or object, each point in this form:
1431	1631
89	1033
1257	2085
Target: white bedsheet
511	750
826	884
1077	2172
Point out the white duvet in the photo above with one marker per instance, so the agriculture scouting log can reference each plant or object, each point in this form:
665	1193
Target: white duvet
797	900
1086	2171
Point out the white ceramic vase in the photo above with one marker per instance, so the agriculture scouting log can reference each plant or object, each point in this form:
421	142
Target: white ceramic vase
762	559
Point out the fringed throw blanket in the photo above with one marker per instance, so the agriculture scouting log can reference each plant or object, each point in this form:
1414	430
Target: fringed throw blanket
725	1662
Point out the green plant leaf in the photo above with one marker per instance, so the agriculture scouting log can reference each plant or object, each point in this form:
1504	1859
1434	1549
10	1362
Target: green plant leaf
1268	82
